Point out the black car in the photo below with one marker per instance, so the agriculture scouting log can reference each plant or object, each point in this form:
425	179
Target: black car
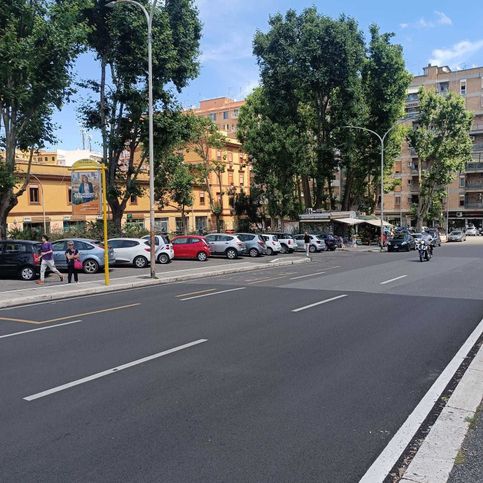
17	258
330	241
401	242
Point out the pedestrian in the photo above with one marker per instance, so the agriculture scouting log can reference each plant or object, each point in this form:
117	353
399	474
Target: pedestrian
72	255
307	243
46	255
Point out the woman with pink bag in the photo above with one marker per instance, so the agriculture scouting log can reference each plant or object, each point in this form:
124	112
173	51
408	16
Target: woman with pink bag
73	262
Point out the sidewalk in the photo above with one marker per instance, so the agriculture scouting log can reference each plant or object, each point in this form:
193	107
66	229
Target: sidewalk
48	291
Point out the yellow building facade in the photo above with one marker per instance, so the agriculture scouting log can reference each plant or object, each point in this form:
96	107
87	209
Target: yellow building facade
47	199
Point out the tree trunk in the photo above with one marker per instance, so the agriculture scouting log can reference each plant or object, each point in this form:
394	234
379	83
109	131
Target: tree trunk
306	191
3	224
218	223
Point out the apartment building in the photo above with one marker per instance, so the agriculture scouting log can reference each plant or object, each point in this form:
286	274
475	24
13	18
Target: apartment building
48	198
464	204
223	111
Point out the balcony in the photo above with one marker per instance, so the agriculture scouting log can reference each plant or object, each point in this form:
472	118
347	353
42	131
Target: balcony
474	205
477	128
477	147
474	186
474	167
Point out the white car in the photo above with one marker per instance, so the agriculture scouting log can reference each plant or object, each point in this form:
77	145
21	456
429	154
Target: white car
472	231
164	248
136	251
273	245
315	245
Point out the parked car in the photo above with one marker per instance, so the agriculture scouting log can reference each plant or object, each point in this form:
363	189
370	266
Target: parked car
164	248
287	242
273	245
316	244
137	252
91	254
255	244
457	236
330	241
472	231
192	247
225	244
401	241
17	258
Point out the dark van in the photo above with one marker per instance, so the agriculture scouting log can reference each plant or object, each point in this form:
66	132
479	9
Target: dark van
17	259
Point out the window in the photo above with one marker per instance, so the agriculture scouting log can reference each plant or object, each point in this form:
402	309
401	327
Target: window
218	154
179	225
201	223
53	158
463	87
212	116
202	199
60	246
161	225
34	195
236	112
69	195
180	241
397	201
225	114
443	87
133	200
462	202
462	182
128	244
230	177
230	156
11	247
82	245
242	179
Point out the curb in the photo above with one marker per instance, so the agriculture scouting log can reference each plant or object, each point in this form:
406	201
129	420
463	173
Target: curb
13	302
436	457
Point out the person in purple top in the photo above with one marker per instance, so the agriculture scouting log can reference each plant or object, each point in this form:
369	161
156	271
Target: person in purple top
46	255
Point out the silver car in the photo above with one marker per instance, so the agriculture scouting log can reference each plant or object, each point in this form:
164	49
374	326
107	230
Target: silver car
457	236
225	244
316	244
91	254
255	244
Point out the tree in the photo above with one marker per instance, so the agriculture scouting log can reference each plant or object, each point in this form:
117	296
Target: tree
383	93
118	108
443	144
276	151
208	144
38	44
310	64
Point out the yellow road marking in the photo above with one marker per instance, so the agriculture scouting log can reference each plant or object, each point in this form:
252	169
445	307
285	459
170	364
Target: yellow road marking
195	293
88	313
10	319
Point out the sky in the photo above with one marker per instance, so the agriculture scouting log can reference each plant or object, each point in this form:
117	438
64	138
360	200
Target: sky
440	32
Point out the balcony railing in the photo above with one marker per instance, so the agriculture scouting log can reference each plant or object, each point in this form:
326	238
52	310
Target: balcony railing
474	186
474	205
477	147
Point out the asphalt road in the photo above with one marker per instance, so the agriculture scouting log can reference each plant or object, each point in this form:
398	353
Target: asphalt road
300	373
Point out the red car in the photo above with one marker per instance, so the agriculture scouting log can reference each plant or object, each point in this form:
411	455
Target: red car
191	246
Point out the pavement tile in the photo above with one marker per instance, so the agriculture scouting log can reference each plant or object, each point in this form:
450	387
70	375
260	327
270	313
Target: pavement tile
467	394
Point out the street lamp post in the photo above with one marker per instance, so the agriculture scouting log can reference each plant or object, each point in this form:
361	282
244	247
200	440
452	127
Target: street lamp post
382	139
149	18
43	201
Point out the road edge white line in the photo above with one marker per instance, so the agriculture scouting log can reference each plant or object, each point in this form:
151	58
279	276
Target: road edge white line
113	370
213	293
389	456
393	280
13	334
319	303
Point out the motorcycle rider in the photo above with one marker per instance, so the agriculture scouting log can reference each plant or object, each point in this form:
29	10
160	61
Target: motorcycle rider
428	239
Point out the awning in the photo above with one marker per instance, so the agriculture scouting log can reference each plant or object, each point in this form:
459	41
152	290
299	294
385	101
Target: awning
376	222
349	221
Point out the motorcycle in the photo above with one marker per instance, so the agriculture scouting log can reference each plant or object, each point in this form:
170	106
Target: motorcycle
424	250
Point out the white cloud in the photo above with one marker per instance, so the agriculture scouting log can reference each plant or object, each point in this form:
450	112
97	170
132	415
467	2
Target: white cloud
443	19
456	55
422	23
235	47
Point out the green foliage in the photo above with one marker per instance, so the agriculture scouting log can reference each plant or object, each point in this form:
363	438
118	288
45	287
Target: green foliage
119	103
318	76
39	42
441	138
